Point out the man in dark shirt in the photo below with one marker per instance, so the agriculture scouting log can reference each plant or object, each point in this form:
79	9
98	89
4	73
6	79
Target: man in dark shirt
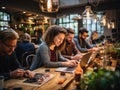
70	51
26	46
9	66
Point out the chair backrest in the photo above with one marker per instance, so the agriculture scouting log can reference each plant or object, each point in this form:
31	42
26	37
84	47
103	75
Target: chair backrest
24	56
29	60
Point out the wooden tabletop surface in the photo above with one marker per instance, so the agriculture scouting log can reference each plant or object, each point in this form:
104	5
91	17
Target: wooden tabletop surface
52	84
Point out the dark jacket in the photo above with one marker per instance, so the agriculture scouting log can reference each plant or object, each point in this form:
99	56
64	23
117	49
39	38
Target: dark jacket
8	63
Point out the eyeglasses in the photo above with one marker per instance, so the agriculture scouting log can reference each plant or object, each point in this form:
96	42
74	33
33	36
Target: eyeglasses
9	46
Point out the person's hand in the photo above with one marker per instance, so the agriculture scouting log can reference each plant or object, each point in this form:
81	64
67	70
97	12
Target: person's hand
29	74
93	49
70	63
17	73
77	56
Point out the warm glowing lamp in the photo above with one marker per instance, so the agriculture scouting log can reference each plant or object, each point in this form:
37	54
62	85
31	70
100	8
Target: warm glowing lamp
49	5
88	13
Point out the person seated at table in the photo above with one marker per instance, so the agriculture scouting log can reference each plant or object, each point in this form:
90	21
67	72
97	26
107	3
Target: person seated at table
48	53
81	42
92	40
38	33
101	39
70	51
25	46
9	65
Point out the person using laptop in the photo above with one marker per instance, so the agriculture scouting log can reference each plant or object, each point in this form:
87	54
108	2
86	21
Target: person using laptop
48	53
70	51
81	42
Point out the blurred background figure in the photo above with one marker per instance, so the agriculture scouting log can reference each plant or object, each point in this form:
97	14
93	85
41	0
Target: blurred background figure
92	40
38	34
25	46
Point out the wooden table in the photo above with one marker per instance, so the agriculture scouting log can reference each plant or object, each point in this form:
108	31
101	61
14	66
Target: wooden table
52	84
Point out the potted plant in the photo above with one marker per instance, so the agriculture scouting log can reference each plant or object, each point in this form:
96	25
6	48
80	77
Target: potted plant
113	50
101	80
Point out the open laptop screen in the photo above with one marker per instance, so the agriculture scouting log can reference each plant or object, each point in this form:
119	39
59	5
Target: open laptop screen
84	60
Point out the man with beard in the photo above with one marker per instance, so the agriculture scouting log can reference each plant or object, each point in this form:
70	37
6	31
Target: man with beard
70	51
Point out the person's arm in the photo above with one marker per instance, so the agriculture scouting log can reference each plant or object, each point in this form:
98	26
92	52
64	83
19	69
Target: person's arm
66	56
88	45
62	58
35	45
75	49
43	57
12	65
15	63
46	58
79	47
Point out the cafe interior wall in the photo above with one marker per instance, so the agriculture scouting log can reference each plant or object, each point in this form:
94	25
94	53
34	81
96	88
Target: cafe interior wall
111	15
17	20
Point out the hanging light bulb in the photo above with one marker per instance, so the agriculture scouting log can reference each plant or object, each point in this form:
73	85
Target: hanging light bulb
49	5
112	24
108	25
103	20
88	13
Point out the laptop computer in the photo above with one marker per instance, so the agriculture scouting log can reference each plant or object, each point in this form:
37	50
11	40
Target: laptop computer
83	61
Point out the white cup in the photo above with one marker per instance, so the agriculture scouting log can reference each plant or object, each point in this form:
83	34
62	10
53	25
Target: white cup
1	82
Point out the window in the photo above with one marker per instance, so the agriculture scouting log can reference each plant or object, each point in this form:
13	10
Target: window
4	20
90	24
68	22
93	25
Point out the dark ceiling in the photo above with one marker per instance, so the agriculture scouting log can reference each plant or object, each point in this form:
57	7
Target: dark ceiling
66	6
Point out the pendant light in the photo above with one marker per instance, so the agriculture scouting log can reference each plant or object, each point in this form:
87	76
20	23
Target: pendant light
49	6
88	13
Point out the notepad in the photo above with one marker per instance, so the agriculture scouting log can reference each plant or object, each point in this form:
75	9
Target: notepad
39	79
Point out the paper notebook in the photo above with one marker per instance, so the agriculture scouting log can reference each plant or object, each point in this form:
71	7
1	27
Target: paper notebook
39	79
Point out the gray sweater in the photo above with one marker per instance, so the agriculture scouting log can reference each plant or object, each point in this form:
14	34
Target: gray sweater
42	58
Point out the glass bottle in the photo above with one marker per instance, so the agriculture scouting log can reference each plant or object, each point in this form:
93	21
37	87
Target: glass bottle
77	76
